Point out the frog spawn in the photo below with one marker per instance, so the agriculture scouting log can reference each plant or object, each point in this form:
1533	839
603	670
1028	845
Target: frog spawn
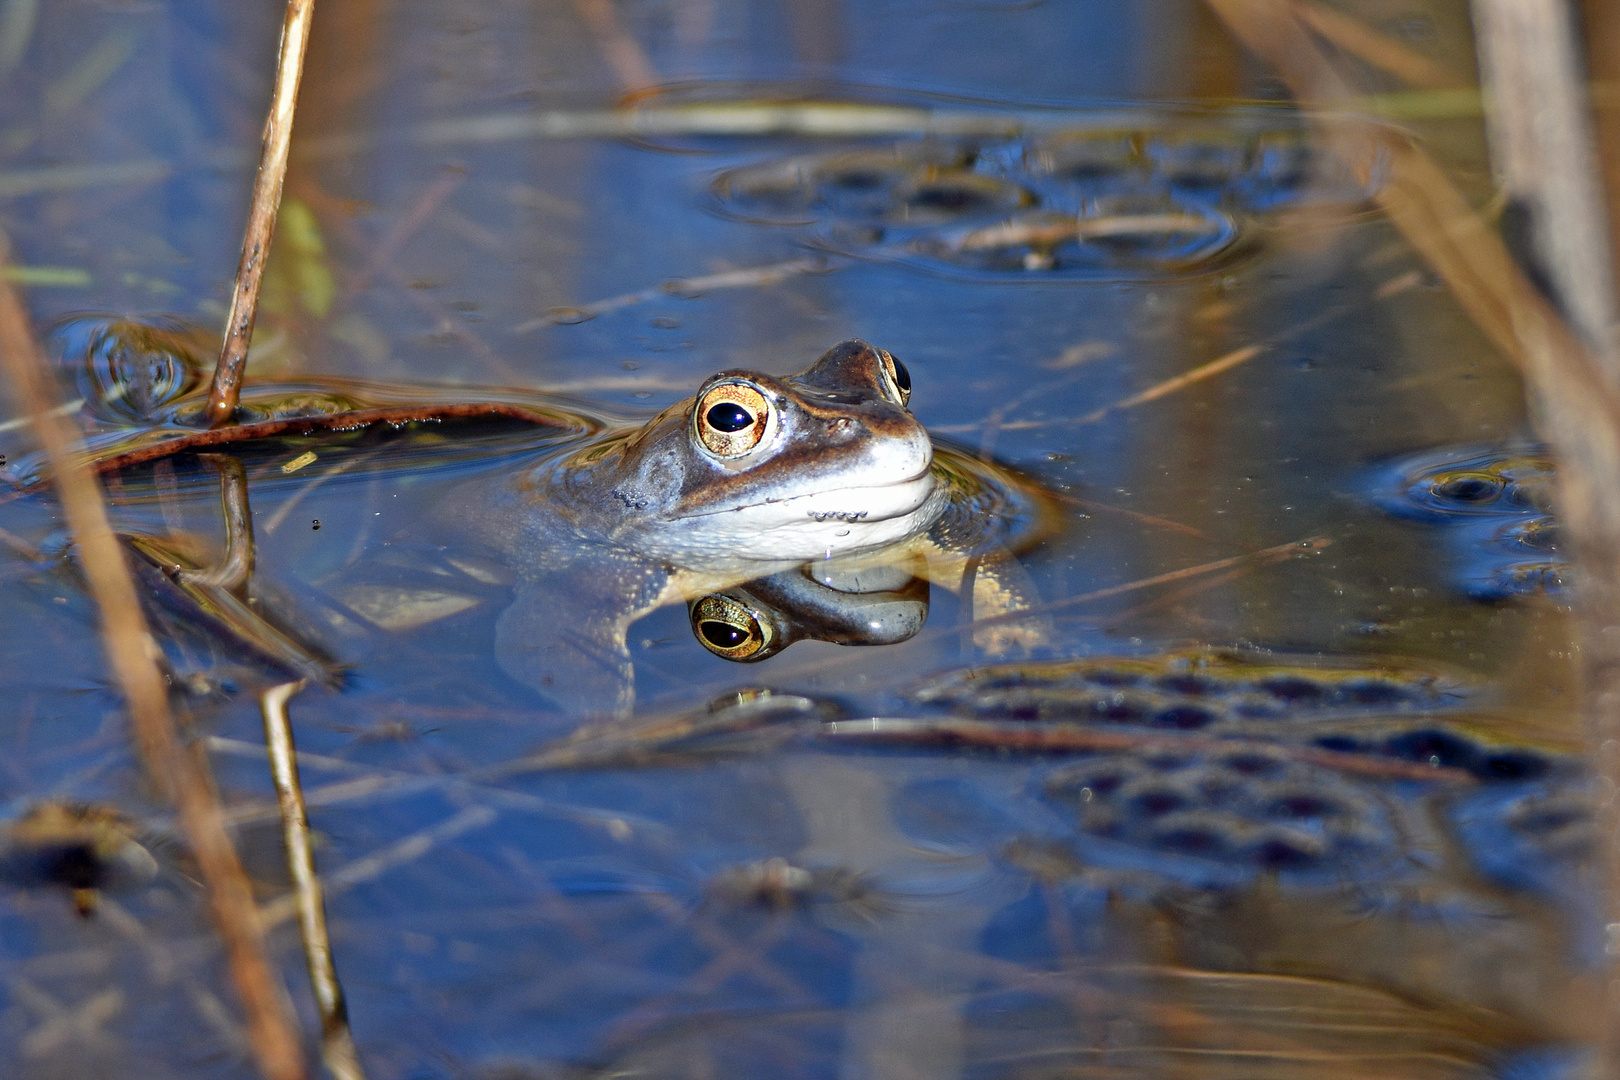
1226	813
1085	204
1254	765
1198	690
1495	505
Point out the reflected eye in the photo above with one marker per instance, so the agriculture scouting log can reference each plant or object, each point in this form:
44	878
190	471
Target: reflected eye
728	629
732	418
897	376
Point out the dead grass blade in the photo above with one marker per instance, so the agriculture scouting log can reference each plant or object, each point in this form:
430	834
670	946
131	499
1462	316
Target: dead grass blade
261	225
173	769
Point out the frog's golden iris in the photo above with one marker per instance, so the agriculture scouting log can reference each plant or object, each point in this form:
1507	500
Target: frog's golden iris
733	418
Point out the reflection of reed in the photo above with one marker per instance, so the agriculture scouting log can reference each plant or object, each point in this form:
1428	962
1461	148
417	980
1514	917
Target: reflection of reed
1555	320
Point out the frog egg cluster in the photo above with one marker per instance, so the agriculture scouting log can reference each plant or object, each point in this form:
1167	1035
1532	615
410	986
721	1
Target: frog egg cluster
1181	692
1495	504
1225	814
1089	203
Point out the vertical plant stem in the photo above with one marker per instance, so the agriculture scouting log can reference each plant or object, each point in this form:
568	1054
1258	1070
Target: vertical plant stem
337	1040
261	224
171	768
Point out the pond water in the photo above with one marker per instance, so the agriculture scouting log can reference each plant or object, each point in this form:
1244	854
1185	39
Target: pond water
1276	778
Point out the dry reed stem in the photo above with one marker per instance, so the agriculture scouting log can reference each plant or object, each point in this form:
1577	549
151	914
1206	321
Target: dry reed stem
171	768
337	1040
1380	50
1577	410
261	224
1539	129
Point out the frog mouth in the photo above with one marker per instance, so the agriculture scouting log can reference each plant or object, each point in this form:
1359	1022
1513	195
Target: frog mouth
855	504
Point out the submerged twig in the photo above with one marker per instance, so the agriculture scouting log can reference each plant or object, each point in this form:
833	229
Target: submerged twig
227	387
172	768
632	69
337	1040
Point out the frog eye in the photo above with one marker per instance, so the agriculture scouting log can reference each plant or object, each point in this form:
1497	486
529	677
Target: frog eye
897	377
731	419
729	629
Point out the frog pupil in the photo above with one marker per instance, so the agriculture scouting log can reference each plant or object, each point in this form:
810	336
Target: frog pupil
728	416
902	377
722	635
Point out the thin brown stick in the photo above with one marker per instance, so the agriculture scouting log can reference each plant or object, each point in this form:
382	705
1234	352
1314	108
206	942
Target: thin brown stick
261	225
1096	507
337	1040
350	420
272	1029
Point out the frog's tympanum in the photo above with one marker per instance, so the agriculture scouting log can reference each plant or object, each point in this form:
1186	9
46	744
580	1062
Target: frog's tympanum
753	476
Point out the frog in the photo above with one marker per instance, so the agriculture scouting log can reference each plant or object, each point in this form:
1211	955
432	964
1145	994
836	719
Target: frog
752	476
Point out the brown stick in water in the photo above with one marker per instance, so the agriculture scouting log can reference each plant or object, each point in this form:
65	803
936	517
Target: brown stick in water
171	768
261	225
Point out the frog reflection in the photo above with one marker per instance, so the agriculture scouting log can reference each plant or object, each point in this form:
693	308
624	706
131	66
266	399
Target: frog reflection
753	476
878	605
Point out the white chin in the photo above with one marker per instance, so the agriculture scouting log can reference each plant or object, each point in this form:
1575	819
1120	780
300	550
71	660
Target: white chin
810	527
